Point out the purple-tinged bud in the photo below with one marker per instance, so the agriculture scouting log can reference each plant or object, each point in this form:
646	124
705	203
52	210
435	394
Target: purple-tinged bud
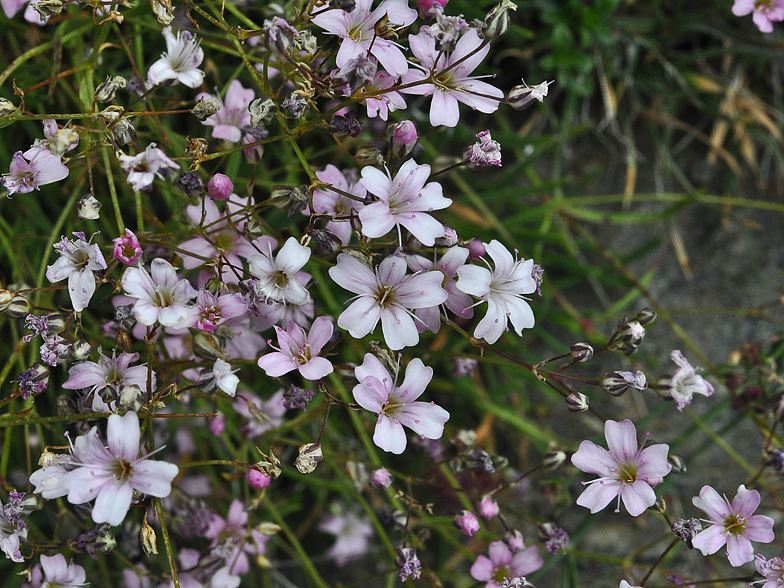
450	238
127	249
296	397
476	248
514	539
220	187
425	6
484	153
345	125
467	522
617	383
251	155
402	137
488	508
686	529
381	478
630	334
775	458
33	381
554	538
257	479
295	104
581	352
408	564
216	424
521	97
464	367
577	402
190	184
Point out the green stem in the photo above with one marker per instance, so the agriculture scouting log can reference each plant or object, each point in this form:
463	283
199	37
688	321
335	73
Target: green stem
112	190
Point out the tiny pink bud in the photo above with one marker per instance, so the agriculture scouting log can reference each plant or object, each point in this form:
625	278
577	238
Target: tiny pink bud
251	155
220	187
127	249
476	248
514	539
216	424
257	479
380	478
488	507
424	6
467	522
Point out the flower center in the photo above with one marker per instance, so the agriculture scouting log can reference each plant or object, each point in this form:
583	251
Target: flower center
735	524
163	297
627	473
390	407
122	470
212	315
500	574
303	356
385	296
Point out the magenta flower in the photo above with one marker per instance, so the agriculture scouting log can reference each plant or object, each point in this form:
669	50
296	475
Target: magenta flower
212	311
78	260
765	12
144	167
180	62
395	405
233	115
685	382
356	29
299	351
326	201
734	525
388	295
453	84
276	275
127	249
405	200
160	296
36	167
503	564
110	475
502	289
58	573
627	472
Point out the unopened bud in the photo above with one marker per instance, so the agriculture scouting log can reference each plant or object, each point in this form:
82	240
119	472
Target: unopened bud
164	13
488	507
385	356
478	460
686	529
677	462
309	457
55	323
554	459
81	350
268	529
617	383
467	522
147	539
123	339
645	316
205	108
498	21
208	346
450	238
326	241
577	402
6	297
402	137
278	34
123	132
380	478
130	398
262	111
87	208
18	307
581	352
220	187
522	96
369	156
251	155
631	334
295	105
7	107
190	184
257	479
107	90
514	540
290	198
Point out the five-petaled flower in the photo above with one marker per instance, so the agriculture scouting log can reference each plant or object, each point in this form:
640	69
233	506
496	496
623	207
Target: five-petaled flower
180	62
685	382
503	564
160	295
734	524
627	472
78	260
276	275
299	351
36	167
233	116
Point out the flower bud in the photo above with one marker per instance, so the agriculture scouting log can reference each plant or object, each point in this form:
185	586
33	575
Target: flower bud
87	208
380	478
488	508
498	21
262	111
369	156
295	104
131	398
278	34
270	466
577	402
408	564
123	339
514	540
123	132
147	539
450	238
55	323
345	125
677	462
251	155
464	367
190	184
402	137
467	522
581	352
290	198
385	356
81	350
205	108
19	307
309	457
106	91
6	297
554	460
208	346
645	316
220	187
123	315
127	249
630	334
326	241
347	5
47	8
257	479
33	381
686	529
476	248
522	96
617	383
7	107
478	460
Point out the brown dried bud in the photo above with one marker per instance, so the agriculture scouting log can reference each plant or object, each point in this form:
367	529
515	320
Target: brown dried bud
269	466
262	111
498	21
208	346
205	108
7	107
47	8
289	198
87	208
147	539
123	339
130	398
369	156
106	91
326	242
123	132
309	457
163	11
197	149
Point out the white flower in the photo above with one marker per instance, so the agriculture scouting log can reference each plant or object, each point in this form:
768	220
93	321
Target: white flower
161	296
685	382
225	378
78	260
180	62
276	275
143	167
502	289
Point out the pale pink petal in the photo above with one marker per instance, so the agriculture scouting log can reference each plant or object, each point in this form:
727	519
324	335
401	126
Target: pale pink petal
444	109
276	364
621	438
637	497
526	561
482	569
598	495
361	317
398	328
418	376
390	436
112	503
745	501
710	540
316	368
424	418
739	550
593	459
370	394
123	435
154	478
714	505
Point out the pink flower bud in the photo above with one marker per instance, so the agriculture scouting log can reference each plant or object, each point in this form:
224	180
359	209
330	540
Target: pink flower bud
220	187
253	154
424	6
216	424
402	137
127	249
467	522
488	507
256	479
476	248
514	539
380	478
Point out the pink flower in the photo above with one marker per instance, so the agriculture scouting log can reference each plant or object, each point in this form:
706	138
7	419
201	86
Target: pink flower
503	564
233	115
453	84
212	311
772	570
110	475
127	249
326	201
467	522
405	200
502	289
144	167
387	294
395	405
424	6
685	382
180	62
161	296
356	29
766	12
276	275
78	260
626	472
351	533
734	525
233	539
58	573
36	167
299	351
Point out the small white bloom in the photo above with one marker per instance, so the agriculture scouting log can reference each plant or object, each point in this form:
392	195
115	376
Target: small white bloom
161	296
180	62
224	377
78	260
276	275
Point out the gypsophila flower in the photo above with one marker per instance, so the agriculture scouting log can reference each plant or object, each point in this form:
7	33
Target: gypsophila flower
772	570
180	62
764	12
502	564
33	169
127	249
467	522
233	116
54	349
144	167
408	564
685	382
352	535
276	275
296	397
160	296
299	351
13	532
484	153
59	574
77	262
232	540
626	472
261	415
340	207
733	524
